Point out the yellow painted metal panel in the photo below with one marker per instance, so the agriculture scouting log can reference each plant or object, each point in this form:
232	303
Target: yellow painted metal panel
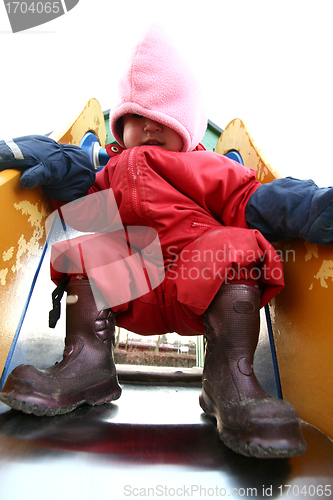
237	136
302	324
90	119
23	214
302	311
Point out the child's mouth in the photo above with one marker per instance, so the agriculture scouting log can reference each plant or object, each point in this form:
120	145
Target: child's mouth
152	143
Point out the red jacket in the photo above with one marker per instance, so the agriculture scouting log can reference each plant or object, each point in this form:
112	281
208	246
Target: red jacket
195	202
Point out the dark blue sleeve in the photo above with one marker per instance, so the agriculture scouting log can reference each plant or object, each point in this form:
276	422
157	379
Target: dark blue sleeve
288	208
64	171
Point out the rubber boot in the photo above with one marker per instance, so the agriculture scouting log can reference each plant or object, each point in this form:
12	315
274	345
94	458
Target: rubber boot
87	371
249	421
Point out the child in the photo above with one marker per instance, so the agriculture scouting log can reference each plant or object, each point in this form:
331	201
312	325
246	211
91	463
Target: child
218	268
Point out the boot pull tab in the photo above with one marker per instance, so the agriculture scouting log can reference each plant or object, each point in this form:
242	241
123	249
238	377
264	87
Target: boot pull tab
57	295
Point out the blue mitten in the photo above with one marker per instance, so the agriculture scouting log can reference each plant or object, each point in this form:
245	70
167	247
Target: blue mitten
64	171
289	208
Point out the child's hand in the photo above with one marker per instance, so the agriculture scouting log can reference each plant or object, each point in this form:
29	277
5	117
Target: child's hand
64	171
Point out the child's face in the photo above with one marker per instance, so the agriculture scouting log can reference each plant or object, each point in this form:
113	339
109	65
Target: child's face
140	131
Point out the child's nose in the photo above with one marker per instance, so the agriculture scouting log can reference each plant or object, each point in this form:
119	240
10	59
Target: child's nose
152	125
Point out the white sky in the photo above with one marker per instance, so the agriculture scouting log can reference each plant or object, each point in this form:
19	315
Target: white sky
265	61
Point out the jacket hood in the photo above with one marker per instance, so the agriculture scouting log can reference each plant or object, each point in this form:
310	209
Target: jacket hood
158	84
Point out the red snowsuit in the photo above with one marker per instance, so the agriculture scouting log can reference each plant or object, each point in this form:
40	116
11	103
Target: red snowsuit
196	202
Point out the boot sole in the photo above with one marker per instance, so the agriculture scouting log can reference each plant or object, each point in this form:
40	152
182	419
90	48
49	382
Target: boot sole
272	438
49	411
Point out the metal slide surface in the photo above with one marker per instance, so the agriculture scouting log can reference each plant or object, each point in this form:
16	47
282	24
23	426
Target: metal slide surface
154	442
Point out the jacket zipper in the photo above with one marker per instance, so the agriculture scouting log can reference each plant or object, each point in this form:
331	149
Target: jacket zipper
200	224
133	180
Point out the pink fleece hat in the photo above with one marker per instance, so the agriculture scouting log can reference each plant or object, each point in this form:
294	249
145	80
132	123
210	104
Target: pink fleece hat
158	85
